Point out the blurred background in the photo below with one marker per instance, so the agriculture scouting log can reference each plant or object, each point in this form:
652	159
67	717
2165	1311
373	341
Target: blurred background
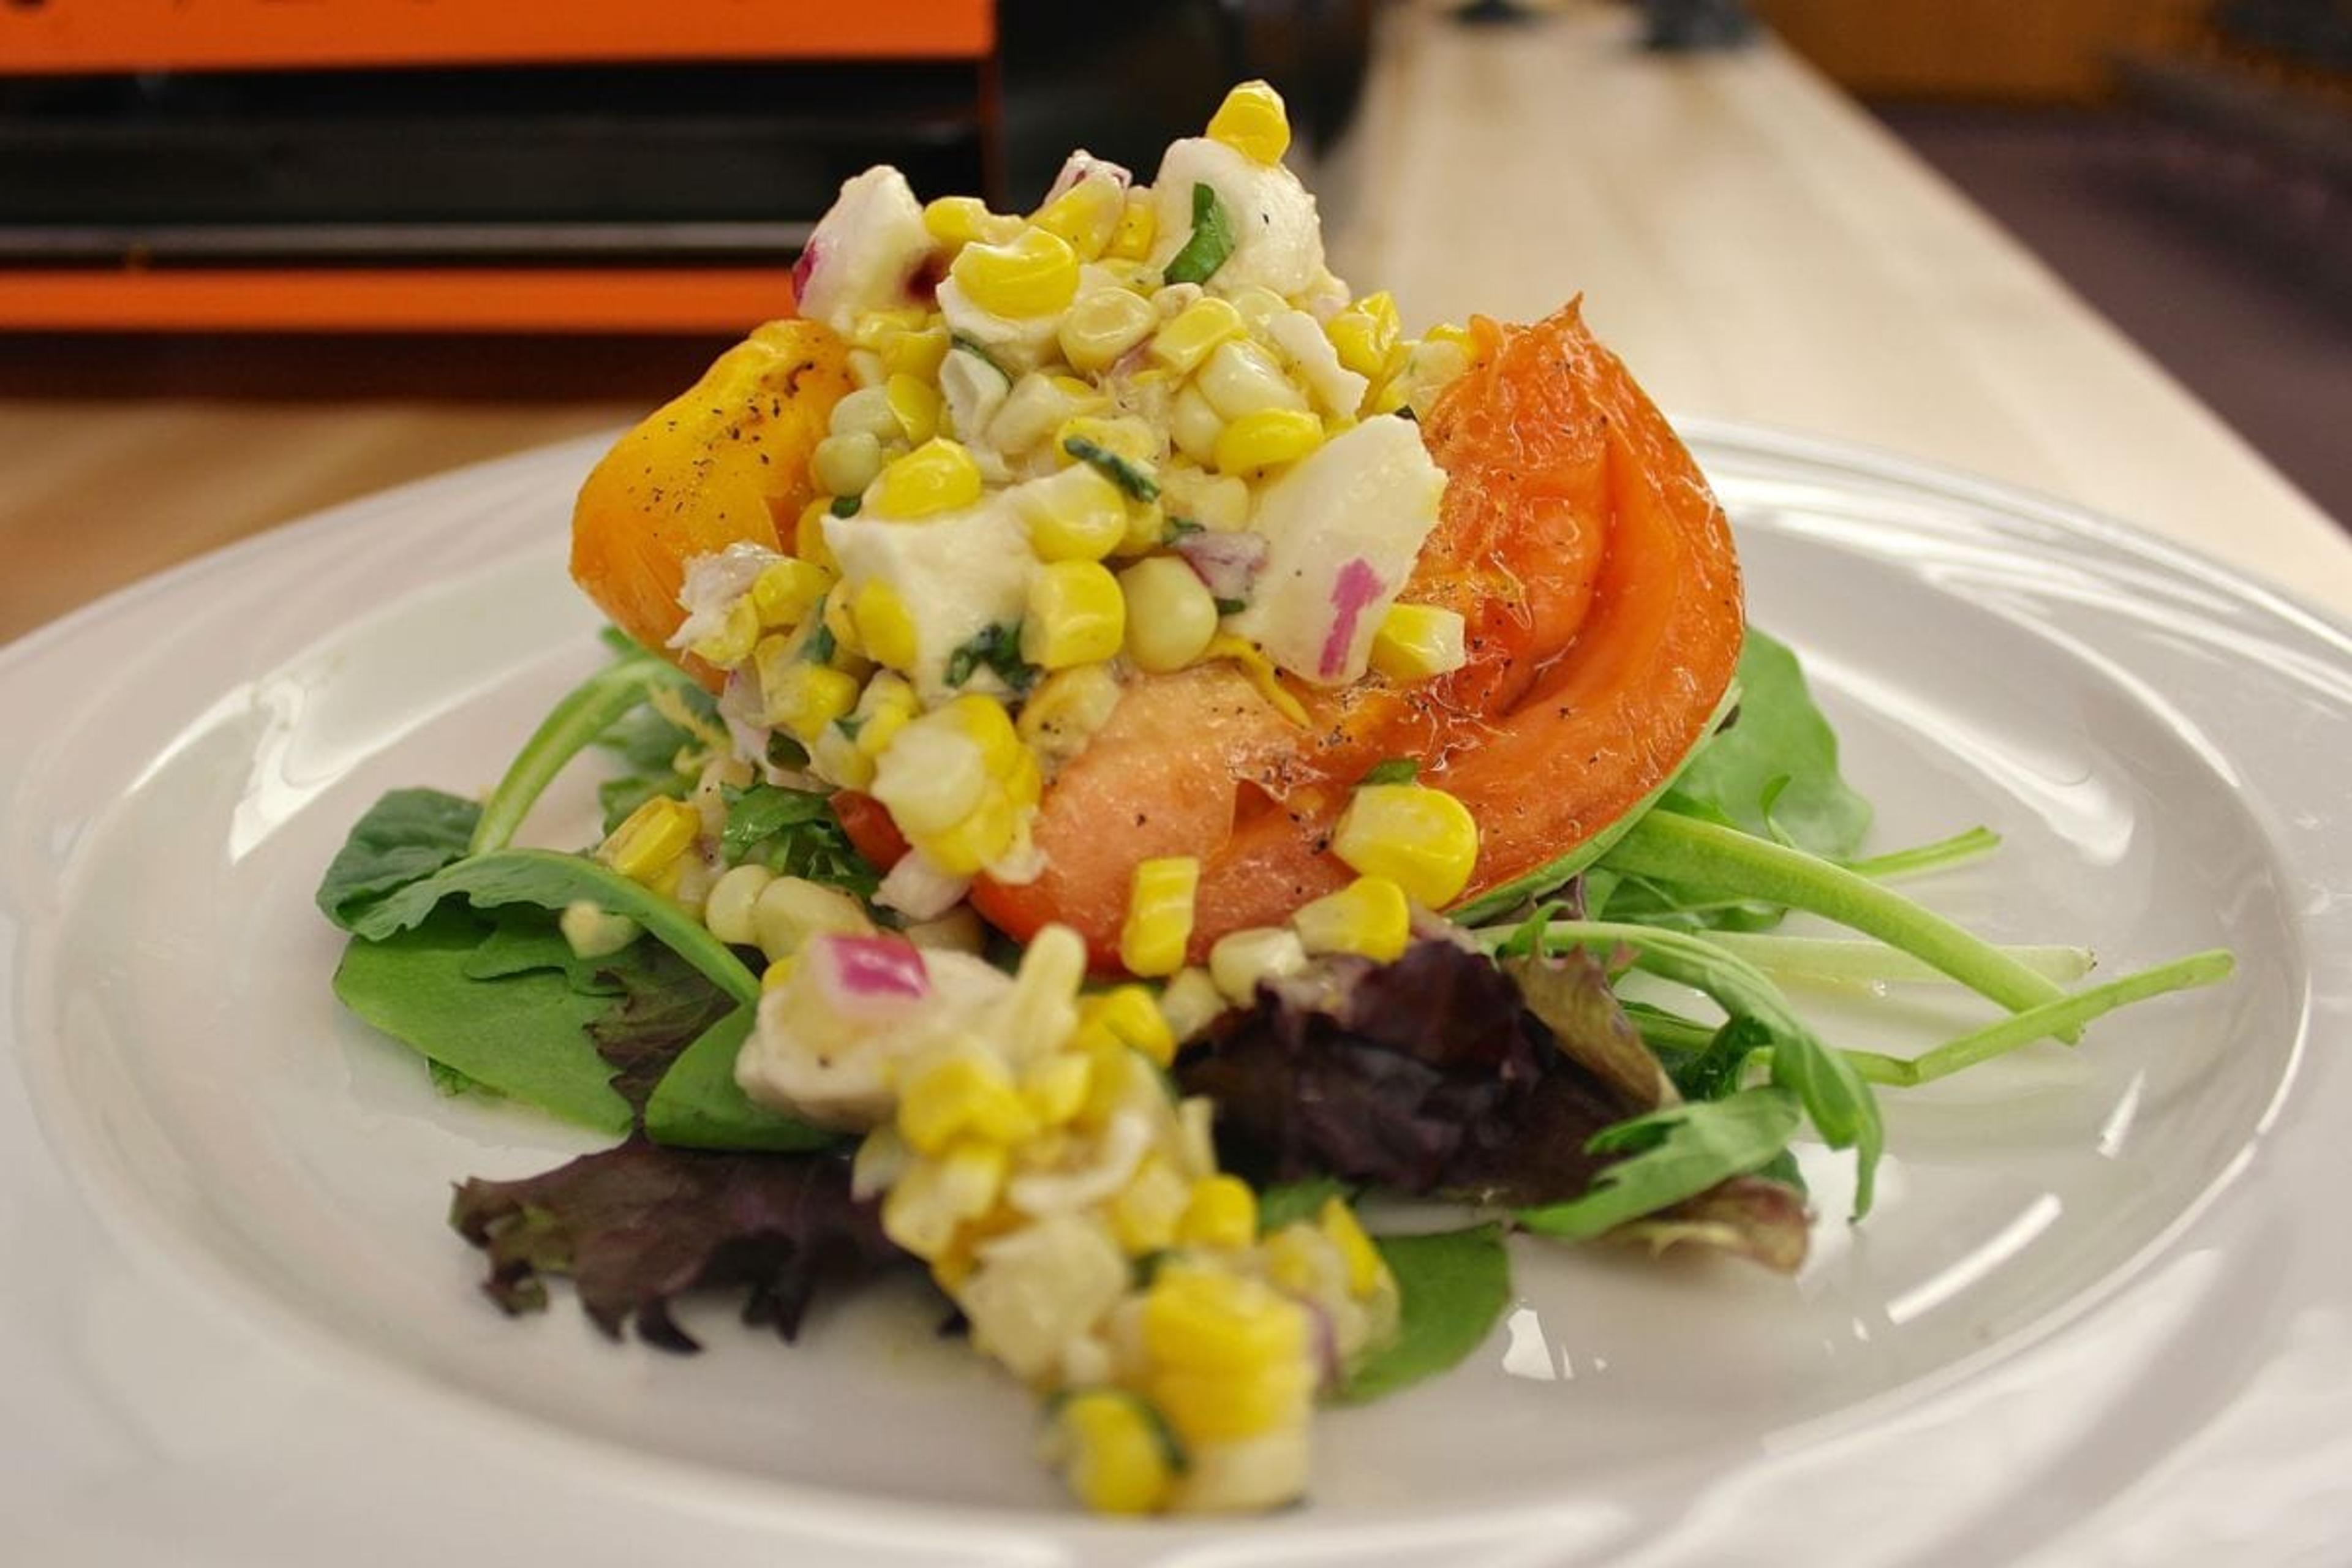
564	210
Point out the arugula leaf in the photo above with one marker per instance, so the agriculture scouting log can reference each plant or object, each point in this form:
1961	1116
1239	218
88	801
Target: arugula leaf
585	712
1134	481
1211	243
697	1105
996	647
1286	1202
794	833
1674	1153
402	838
524	1036
553	880
1451	1285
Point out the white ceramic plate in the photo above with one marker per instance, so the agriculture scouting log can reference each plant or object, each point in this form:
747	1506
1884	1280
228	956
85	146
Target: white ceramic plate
2100	1314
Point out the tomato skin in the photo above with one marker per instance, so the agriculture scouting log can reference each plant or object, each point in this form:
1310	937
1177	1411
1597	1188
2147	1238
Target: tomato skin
1596	576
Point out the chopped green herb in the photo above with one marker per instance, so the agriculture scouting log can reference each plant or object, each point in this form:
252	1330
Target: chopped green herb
1178	527
1231	606
1212	241
996	647
1131	479
820	645
846	506
1395	771
973	347
849	724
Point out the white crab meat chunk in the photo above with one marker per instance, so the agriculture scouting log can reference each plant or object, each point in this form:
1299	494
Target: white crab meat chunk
866	252
1277	238
958	574
1342	530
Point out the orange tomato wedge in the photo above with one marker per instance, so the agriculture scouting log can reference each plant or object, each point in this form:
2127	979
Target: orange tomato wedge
1596	574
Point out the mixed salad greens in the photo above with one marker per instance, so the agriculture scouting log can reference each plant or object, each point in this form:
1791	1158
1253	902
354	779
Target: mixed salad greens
1074	934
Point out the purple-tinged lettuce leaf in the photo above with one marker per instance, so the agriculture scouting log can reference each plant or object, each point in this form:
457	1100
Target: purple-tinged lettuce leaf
1760	1219
665	1006
636	1227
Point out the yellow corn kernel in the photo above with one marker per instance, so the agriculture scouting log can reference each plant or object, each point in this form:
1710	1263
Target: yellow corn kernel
1036	273
843	624
916	353
1194	334
1240	378
733	641
1076	616
1085	215
808	535
1231	1407
774	977
727	908
1129	440
870	328
968	846
915	405
804	697
1104	324
934	1197
652	838
985	722
1387	396
1128	1015
1240	959
1423	840
1444	332
885	626
936	476
1366	333
1220	1212
968	1094
1143	1216
1266	439
1212	1321
1252	662
1139	226
1171	617
1194	425
784	594
961	220
1190	1003
1114	1459
1076	514
1252	121
888	706
1356	1250
789	911
845	465
1158	916
1055	1087
1368	917
1416	642
1066	710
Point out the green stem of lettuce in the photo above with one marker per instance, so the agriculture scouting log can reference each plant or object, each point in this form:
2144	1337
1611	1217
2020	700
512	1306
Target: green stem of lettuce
1919	859
586	711
1682	850
2065	1016
1842	959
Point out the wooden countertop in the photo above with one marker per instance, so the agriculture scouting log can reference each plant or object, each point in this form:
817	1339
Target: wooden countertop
1752	243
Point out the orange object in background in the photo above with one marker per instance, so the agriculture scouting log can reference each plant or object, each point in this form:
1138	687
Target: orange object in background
59	37
125	35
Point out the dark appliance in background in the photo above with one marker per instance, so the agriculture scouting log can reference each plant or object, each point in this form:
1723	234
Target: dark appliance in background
466	179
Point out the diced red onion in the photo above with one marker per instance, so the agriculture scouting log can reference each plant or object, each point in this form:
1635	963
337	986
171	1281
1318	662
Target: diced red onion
868	978
804	268
1356	587
1079	165
1226	563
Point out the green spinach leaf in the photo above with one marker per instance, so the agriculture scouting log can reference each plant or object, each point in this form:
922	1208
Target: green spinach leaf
1454	1285
524	1036
697	1105
404	837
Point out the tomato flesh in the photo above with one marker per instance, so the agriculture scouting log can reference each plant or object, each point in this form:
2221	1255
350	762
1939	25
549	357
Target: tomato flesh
1596	575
